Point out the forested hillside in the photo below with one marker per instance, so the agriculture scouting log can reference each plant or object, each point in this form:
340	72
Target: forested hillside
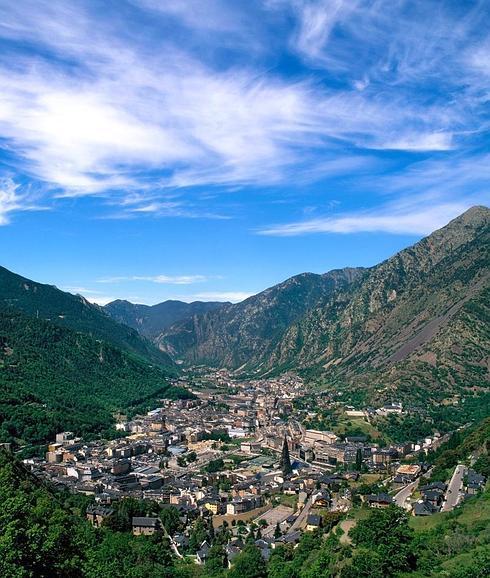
74	312
53	378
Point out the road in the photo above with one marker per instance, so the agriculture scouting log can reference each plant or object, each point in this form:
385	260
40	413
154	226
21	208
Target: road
302	516
403	495
452	495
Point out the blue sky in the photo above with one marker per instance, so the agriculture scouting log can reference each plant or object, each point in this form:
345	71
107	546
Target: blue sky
207	149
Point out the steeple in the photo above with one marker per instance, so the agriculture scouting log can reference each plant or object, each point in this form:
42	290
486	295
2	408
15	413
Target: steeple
285	462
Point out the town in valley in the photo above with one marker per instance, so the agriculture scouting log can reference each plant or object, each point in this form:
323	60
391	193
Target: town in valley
241	457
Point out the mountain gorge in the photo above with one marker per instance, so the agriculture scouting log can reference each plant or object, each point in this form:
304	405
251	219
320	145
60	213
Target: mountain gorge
151	320
245	335
419	314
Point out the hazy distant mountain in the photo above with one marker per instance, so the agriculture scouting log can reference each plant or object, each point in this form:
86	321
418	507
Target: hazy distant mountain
421	316
152	320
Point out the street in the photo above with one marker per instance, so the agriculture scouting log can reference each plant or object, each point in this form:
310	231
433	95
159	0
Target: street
452	494
402	496
302	516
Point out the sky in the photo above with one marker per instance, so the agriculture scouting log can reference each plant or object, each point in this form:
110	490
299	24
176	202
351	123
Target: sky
208	149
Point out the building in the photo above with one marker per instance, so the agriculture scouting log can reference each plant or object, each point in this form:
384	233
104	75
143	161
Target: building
202	553
379	500
64	436
313	522
475	482
408	472
146	526
313	435
424	508
97	514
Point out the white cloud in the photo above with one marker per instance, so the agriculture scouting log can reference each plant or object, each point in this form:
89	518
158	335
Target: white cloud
123	107
102	109
233	296
161	279
411	220
422	142
316	20
99	299
13	199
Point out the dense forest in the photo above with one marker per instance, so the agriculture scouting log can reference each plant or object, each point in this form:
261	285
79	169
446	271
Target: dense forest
74	312
54	378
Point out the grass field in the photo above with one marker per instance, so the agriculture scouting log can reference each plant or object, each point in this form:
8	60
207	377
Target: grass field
288	500
347	423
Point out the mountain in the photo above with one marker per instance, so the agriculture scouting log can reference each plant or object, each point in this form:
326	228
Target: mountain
420	318
151	320
246	334
53	378
66	364
73	312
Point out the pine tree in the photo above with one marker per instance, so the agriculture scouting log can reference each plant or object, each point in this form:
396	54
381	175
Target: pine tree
285	463
359	459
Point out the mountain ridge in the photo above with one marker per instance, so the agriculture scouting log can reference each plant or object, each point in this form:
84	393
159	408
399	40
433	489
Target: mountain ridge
151	320
74	312
372	323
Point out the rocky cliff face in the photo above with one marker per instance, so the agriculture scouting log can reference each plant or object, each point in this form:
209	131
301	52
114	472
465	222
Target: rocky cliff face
411	313
245	335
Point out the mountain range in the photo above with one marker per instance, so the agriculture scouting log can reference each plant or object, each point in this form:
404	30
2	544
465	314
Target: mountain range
66	364
415	327
151	320
420	318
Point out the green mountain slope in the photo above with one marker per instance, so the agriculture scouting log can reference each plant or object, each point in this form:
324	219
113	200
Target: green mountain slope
151	320
73	312
53	378
245	335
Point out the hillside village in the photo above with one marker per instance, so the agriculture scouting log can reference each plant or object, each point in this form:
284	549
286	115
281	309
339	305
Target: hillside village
239	457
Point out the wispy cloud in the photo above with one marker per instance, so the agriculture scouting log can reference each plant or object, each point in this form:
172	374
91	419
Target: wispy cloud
408	220
118	106
13	198
233	296
161	279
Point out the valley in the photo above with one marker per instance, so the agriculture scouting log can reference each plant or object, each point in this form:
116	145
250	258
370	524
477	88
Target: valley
304	421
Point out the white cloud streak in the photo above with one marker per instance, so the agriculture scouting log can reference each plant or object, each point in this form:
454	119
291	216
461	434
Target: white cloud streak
414	221
160	279
233	296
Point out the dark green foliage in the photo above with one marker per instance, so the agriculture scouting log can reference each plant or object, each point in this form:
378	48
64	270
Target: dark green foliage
214	466
386	534
41	538
248	564
482	465
73	312
53	379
